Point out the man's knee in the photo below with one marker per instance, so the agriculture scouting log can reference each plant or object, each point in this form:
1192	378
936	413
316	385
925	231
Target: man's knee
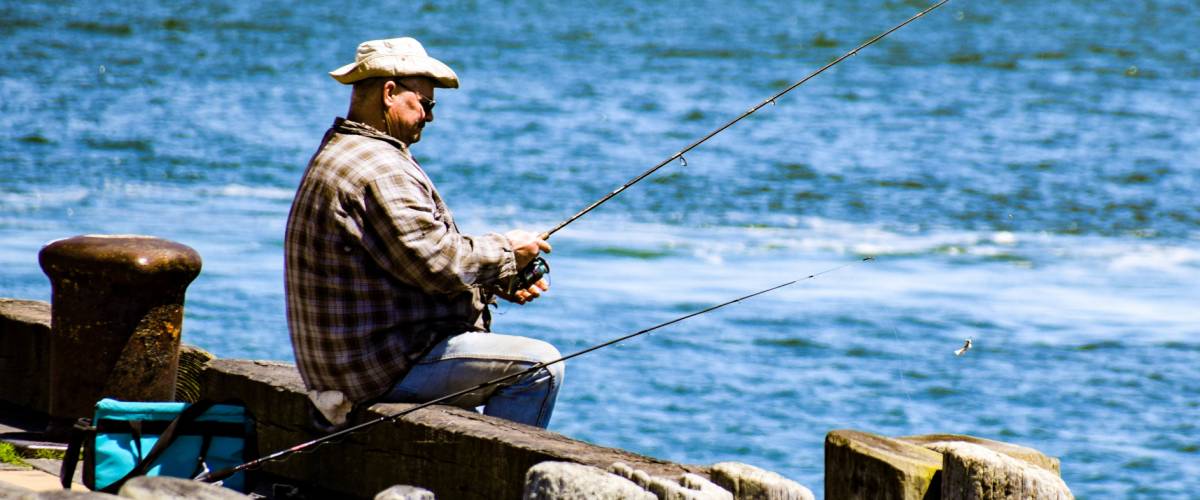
541	351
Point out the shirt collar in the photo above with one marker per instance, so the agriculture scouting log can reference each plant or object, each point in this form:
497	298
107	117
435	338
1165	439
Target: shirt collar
344	126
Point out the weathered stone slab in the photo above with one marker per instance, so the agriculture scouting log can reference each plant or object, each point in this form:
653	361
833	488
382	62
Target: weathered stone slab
405	492
13	492
571	481
1027	454
861	465
703	485
25	353
749	482
667	489
974	472
453	452
171	488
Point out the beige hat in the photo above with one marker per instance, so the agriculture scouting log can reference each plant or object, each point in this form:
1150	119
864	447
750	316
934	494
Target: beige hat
395	57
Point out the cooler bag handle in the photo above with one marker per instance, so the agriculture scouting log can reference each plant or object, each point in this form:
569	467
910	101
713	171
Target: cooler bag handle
82	430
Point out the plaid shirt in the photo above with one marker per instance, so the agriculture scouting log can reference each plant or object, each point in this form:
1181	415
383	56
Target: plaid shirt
376	270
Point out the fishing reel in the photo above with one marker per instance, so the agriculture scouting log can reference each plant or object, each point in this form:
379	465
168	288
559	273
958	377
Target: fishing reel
535	270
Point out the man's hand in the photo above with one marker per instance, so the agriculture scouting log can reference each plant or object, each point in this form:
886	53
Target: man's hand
527	294
526	246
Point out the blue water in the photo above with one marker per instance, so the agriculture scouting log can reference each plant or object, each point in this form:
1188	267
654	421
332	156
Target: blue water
1025	174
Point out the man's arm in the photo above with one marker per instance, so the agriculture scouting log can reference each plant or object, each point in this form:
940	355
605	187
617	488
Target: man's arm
416	244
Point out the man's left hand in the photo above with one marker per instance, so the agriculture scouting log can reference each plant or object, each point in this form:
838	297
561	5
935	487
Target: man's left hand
525	295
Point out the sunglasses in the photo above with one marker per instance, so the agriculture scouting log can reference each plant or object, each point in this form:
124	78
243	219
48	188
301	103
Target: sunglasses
427	104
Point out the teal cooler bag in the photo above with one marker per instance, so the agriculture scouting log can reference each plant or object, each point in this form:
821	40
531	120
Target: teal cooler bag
130	439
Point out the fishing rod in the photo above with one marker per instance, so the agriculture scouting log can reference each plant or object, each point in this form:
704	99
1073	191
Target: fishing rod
538	267
222	474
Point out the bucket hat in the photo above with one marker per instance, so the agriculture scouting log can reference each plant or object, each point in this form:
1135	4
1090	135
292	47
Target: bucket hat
395	57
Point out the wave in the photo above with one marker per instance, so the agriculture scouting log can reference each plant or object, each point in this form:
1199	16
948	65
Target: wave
260	192
41	199
820	237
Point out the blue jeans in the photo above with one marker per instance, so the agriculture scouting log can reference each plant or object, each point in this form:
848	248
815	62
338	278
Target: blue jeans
471	358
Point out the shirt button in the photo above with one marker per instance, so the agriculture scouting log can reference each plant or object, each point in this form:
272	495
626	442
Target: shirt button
346	249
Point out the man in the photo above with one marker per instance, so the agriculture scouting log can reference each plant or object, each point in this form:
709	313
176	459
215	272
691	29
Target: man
386	299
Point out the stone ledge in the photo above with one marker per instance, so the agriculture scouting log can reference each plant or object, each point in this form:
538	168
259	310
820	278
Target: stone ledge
864	465
453	452
974	472
1027	454
25	353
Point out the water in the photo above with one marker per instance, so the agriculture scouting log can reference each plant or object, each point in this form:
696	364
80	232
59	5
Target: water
1024	173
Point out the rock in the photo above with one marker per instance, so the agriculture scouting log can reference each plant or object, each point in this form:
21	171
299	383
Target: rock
863	465
405	492
746	482
570	481
696	488
640	478
974	472
703	485
1030	455
162	487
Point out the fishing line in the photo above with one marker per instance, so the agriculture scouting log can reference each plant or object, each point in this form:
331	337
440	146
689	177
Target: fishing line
900	370
308	446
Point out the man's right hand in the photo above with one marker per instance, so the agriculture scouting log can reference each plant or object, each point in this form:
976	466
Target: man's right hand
526	246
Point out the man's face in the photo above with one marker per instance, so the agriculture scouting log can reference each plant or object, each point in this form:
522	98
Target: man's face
409	105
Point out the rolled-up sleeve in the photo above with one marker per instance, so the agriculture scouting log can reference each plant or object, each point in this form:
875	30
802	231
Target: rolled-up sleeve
416	242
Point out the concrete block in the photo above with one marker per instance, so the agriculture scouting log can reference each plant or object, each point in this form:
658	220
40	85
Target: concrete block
25	353
747	482
452	452
1030	455
861	465
405	492
171	488
974	472
571	481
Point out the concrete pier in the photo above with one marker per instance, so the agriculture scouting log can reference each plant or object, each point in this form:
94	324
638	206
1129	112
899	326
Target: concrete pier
454	453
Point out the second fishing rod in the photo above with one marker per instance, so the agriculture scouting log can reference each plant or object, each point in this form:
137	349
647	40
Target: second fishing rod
222	474
538	268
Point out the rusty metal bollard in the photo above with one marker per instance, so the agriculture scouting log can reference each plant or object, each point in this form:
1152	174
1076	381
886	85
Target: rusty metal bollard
116	314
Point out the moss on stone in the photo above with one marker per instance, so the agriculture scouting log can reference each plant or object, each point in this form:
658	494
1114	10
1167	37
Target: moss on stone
9	455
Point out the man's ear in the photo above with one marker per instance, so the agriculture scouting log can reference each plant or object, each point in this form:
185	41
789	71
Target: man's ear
388	93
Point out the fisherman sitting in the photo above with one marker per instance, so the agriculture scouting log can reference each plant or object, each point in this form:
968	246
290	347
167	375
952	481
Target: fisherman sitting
386	299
